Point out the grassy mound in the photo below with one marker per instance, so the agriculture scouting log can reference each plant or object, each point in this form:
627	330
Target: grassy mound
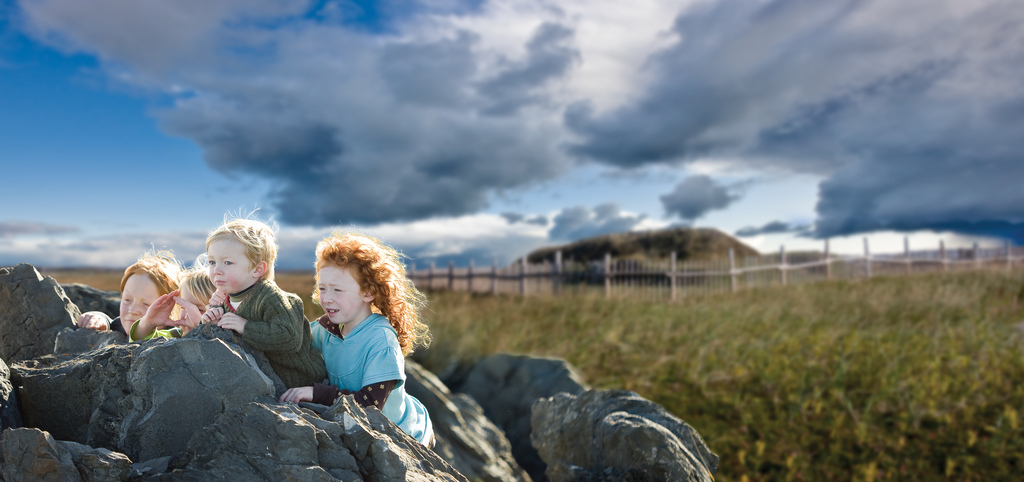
688	243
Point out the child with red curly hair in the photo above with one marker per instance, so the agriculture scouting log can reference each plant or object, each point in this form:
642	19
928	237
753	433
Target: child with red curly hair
371	323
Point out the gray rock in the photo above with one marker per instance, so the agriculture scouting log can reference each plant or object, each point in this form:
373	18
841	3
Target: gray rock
506	386
277	441
32	310
98	464
33	455
214	332
10	416
178	387
465	437
605	435
87	298
383	450
76	397
78	340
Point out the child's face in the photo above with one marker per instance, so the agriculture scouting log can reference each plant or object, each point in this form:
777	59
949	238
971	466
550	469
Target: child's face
229	268
341	297
139	292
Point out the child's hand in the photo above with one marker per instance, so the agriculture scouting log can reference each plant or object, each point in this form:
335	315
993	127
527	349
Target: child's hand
159	313
191	315
212	314
219	298
298	394
94	320
232	321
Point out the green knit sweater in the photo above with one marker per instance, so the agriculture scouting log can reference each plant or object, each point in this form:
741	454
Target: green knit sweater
276	325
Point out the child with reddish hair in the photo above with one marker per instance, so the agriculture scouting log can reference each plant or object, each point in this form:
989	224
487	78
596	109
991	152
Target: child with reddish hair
371	323
191	299
152	276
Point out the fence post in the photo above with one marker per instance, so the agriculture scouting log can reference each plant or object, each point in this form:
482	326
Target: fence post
494	277
975	253
522	276
430	276
906	254
469	277
672	276
1006	249
451	275
942	255
607	275
828	262
867	259
732	270
782	264
556	283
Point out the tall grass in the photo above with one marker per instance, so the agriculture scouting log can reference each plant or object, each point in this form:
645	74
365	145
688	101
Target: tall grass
908	378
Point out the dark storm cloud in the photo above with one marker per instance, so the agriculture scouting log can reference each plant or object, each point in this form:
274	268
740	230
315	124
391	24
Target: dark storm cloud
580	222
913	123
550	55
10	229
695	196
346	148
773	227
347	124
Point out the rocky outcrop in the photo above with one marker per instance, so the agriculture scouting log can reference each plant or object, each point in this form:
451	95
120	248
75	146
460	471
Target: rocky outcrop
32	455
178	387
87	298
76	397
79	340
617	435
205	407
277	441
32	310
465	437
10	415
506	386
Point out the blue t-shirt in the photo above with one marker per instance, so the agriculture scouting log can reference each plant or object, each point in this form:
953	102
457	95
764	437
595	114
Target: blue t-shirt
371	354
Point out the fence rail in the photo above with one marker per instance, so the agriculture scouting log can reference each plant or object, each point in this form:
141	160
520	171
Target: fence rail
671	279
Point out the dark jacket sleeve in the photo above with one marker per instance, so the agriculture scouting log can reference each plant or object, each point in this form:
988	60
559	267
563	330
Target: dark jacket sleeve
369	396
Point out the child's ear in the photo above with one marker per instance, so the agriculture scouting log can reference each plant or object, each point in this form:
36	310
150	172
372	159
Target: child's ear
367	297
261	269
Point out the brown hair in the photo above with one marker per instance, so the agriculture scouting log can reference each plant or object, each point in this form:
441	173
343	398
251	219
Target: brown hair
161	268
379	271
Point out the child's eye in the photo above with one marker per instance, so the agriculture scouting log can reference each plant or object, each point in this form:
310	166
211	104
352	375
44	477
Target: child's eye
228	262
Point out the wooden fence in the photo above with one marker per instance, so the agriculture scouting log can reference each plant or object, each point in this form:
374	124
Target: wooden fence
671	279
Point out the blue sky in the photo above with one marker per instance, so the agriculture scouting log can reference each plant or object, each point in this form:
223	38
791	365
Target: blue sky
459	130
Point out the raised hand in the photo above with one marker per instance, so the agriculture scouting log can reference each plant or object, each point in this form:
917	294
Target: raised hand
219	298
212	315
191	316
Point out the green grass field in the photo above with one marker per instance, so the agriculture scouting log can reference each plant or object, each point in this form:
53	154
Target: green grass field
908	378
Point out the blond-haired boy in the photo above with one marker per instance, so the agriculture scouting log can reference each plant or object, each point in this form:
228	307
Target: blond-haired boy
241	255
